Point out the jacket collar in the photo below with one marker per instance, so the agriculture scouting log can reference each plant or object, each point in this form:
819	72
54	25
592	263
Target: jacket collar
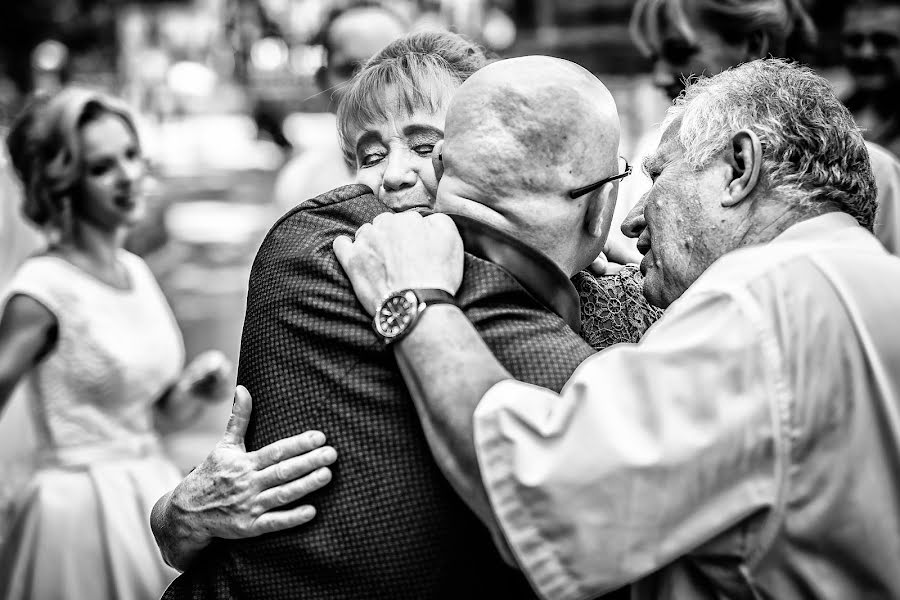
534	271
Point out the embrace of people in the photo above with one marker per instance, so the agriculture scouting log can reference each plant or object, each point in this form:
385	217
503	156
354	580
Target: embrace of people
757	241
726	448
438	395
310	357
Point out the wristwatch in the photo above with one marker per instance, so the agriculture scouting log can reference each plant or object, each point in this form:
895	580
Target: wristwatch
398	313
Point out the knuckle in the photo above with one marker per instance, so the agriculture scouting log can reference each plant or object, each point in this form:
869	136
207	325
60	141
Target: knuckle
276	453
281	497
244	528
282	472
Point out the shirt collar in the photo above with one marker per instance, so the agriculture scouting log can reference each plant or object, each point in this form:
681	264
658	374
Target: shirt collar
817	227
534	271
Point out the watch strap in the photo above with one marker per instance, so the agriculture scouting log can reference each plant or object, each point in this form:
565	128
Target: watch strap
429	296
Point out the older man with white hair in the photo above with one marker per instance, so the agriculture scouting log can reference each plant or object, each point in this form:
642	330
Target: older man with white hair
749	445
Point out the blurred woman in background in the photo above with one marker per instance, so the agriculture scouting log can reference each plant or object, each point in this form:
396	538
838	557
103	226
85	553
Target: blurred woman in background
87	331
691	38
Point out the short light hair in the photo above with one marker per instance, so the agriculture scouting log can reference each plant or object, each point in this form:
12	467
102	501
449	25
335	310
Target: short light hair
45	146
813	152
418	71
779	20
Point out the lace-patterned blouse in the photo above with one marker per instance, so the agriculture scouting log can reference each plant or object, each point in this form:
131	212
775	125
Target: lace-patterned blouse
613	307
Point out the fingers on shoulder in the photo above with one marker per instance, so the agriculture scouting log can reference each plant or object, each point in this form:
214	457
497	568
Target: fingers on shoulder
296	467
284	519
292	491
296	445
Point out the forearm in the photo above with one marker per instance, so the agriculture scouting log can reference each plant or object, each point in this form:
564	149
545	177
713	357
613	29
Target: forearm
448	368
177	542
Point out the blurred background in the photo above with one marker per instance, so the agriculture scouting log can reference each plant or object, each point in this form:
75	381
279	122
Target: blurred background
227	95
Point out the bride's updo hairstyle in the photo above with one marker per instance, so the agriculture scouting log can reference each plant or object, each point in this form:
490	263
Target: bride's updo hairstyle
44	145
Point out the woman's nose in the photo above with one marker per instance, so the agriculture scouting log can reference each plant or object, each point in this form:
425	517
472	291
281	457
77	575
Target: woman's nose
129	171
399	172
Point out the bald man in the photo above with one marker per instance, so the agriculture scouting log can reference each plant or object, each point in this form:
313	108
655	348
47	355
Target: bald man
520	135
389	525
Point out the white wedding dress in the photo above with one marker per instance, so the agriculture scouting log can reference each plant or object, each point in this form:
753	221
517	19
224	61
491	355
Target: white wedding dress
80	527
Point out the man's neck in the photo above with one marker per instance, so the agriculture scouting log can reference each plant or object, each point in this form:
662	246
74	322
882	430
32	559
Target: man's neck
770	221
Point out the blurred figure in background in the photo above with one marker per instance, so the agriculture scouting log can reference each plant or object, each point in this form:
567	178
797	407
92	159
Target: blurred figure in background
690	38
871	45
350	36
88	332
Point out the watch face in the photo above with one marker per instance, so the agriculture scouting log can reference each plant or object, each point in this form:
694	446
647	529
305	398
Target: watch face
396	313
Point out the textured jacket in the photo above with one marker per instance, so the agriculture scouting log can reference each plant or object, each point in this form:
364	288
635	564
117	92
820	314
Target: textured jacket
389	525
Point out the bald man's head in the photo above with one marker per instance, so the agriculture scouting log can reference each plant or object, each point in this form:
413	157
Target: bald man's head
520	133
533	125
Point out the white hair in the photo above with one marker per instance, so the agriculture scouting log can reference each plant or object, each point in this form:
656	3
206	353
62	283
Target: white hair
813	152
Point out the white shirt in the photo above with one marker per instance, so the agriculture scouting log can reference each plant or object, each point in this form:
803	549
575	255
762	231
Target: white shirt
750	443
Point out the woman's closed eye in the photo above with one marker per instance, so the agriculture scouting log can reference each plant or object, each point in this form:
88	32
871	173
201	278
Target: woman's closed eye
370	159
423	149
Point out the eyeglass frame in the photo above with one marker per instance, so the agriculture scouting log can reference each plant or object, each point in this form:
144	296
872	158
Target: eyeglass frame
578	192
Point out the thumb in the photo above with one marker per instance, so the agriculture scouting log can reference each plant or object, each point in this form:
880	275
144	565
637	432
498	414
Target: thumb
342	246
240	417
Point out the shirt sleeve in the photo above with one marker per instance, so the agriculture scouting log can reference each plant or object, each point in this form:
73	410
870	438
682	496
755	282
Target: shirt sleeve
649	451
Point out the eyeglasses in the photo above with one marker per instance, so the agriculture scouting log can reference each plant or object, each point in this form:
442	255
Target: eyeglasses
578	192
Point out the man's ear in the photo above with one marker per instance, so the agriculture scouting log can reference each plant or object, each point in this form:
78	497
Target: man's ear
599	210
745	159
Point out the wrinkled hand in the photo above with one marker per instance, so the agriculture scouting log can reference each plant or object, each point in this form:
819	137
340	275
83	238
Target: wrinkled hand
208	377
236	494
399	251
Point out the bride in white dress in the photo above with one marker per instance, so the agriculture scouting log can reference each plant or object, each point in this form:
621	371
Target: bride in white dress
87	332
